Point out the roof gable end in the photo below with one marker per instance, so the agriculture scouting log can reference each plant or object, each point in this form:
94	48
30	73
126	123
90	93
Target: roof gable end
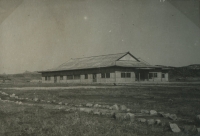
128	56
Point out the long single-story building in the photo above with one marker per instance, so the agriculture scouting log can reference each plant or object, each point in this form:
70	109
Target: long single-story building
112	68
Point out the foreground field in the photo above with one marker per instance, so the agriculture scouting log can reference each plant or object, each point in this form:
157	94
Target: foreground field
37	120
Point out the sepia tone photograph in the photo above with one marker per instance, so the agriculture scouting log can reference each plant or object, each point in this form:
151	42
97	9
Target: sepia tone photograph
99	67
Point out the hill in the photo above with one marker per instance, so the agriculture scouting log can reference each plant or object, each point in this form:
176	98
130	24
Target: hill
21	77
185	73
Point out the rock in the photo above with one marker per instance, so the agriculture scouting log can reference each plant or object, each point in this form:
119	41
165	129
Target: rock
89	105
68	110
142	120
166	115
19	102
59	107
123	107
150	121
173	116
107	106
111	114
128	110
198	117
145	111
158	122
160	113
16	97
73	108
174	127
87	110
96	106
198	130
153	112
115	107
60	103
103	106
189	128
103	111
35	99
13	95
4	93
54	101
132	116
48	101
66	103
121	116
96	113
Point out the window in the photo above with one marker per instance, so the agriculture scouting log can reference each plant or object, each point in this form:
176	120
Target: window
69	77
123	75
48	78
128	75
86	76
45	78
163	75
61	77
153	75
102	75
76	76
150	75
107	75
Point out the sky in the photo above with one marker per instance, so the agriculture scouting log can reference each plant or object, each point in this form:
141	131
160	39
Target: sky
42	34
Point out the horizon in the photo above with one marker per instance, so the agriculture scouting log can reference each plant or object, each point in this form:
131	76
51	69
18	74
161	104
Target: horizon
40	73
39	35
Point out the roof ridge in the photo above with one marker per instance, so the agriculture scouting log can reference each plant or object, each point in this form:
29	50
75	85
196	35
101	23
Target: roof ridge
99	55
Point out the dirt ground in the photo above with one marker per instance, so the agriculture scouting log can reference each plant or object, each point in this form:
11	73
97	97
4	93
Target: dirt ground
180	99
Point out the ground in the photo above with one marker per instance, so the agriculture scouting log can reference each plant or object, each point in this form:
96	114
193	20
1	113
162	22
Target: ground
41	119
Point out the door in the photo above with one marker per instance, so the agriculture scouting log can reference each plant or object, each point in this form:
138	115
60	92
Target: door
55	79
94	77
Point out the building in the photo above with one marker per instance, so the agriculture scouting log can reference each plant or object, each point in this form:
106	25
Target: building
112	68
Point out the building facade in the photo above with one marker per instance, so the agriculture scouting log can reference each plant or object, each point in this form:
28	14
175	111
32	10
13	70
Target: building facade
113	68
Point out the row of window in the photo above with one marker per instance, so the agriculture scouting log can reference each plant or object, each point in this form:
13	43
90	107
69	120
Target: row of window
155	75
103	75
125	75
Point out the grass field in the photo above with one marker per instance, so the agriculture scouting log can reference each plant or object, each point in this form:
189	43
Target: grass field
36	120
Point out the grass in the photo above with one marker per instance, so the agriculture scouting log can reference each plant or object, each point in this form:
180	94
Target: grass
36	121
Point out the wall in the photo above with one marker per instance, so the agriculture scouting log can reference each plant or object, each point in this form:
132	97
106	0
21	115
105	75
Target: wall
124	80
159	77
106	80
115	75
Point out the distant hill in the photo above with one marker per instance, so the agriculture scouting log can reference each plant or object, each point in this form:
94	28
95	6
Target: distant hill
185	73
21	77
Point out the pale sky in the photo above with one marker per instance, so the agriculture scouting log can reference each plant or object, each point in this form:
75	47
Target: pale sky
37	35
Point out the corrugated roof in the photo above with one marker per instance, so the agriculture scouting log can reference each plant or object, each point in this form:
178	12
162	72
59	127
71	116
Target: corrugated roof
99	62
132	64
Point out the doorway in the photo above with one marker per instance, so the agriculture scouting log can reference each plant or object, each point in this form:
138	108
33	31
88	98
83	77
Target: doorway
55	79
94	76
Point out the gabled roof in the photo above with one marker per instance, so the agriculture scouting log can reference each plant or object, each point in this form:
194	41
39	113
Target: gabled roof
100	62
